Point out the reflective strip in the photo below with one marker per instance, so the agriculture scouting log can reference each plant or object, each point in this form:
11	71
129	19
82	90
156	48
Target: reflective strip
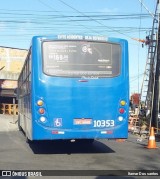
60	132
106	132
103	132
152	138
57	132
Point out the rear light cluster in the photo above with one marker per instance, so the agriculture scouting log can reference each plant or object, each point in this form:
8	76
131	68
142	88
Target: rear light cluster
41	110
122	110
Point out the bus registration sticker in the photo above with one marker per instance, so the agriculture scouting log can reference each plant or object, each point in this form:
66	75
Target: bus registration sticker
57	122
82	121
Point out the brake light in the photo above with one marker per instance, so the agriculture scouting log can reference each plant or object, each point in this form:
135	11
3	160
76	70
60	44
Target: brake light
41	111
121	110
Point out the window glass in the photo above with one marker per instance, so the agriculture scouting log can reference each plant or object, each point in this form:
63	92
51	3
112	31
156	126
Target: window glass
81	58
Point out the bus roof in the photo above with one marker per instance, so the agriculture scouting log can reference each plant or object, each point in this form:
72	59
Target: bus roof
79	37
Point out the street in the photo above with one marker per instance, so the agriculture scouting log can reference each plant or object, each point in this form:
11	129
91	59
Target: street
16	154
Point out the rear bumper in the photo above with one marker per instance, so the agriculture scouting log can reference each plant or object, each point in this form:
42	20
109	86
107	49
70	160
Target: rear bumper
44	133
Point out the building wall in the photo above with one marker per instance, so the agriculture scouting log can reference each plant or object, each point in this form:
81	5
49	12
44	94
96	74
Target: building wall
11	62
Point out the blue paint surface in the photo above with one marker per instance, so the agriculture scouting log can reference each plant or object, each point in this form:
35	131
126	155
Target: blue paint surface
69	99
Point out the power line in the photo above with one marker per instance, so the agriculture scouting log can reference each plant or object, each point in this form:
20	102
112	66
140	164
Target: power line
55	20
118	16
93	19
142	4
68	18
49	11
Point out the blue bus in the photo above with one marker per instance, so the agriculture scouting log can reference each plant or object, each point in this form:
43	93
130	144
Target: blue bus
74	87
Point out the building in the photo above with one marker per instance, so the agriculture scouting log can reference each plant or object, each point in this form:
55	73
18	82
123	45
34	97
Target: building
11	63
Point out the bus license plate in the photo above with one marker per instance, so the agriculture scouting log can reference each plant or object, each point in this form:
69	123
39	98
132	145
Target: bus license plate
82	121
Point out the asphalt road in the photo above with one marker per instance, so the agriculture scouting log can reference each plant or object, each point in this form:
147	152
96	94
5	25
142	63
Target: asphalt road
16	154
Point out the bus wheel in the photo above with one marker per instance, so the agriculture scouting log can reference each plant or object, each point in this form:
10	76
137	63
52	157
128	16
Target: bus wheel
19	127
29	141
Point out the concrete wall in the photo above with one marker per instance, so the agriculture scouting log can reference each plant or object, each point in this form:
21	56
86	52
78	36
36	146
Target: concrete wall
11	62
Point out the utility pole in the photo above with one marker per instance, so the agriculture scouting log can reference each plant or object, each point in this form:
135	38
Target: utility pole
155	111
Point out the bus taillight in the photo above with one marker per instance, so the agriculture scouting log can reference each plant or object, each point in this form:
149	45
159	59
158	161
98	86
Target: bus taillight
121	110
40	103
123	103
41	111
120	118
43	119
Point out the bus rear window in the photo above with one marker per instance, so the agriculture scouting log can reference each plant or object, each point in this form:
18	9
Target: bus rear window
81	59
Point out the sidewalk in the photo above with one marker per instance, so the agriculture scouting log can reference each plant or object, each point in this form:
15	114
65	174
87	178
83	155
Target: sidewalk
8	123
141	140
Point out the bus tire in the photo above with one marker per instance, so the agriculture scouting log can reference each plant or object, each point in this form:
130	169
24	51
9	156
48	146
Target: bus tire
28	140
19	127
